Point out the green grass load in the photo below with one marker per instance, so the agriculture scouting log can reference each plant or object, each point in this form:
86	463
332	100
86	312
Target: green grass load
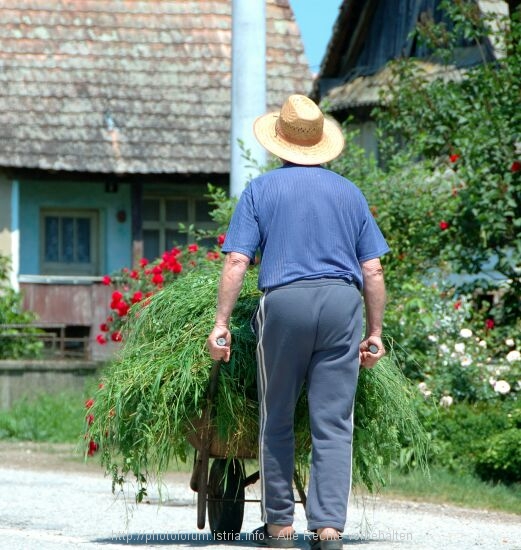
155	390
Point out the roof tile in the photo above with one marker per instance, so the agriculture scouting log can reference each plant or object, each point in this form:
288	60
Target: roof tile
129	86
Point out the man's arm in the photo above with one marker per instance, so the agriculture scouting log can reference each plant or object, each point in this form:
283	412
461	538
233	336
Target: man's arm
374	299
232	278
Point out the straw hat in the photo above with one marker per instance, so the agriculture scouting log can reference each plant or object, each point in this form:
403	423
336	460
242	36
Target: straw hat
300	133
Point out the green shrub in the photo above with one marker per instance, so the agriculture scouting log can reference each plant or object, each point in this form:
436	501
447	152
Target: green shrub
501	461
17	342
468	130
481	438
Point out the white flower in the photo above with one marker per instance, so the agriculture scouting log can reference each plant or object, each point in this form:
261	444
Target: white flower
422	386
444	348
510	342
502	386
465	333
482	344
466	361
492	380
446	401
432	338
513	355
459	347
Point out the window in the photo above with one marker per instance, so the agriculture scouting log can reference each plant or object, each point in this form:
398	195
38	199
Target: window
161	219
69	242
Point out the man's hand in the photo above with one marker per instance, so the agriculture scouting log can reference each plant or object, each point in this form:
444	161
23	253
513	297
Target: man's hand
232	277
368	359
218	352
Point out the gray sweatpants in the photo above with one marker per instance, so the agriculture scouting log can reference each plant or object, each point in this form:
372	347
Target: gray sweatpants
308	332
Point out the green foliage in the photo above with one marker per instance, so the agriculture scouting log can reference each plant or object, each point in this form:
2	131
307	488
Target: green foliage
16	342
53	418
481	438
501	461
223	207
388	431
469	129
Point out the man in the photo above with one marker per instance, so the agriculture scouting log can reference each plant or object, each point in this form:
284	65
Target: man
320	246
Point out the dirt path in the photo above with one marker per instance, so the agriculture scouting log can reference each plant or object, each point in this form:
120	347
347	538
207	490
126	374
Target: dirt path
52	499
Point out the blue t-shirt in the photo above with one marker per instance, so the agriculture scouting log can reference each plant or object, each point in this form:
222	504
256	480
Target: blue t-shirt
308	222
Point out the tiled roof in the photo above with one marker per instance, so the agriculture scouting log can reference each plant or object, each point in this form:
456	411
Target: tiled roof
129	86
369	91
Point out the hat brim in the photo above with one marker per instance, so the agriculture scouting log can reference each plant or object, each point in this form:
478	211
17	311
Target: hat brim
328	148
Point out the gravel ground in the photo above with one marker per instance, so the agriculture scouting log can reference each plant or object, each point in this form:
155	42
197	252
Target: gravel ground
52	500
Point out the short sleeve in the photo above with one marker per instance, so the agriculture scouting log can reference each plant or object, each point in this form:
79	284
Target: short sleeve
371	243
243	233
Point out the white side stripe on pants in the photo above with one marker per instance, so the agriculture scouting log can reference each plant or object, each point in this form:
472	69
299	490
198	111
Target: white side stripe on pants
262	400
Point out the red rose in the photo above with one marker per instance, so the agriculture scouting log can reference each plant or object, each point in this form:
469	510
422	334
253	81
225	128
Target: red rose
176	267
116	296
106	280
90	419
101	339
134	274
157	279
143	262
123	308
213	255
193	248
516	166
89	403
157	269
93	447
104	327
457	304
137	297
220	239
444	225
454	158
489	324
116	336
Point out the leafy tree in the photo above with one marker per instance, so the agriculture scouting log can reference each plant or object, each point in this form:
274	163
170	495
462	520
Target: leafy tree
467	128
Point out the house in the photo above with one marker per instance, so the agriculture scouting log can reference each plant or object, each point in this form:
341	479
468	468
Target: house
114	116
366	36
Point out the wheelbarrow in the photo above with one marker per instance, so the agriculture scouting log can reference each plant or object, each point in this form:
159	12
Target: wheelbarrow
221	487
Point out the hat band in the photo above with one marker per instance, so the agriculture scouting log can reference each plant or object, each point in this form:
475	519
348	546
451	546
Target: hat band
297	140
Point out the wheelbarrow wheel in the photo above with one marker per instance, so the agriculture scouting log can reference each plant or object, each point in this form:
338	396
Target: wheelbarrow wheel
226	498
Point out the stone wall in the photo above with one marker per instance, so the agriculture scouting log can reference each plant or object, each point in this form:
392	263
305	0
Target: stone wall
30	378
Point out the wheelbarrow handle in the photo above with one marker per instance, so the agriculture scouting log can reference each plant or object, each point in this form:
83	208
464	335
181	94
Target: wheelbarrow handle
213	382
201	470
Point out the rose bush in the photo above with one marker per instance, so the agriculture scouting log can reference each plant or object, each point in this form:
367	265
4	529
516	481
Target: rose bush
474	122
135	285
